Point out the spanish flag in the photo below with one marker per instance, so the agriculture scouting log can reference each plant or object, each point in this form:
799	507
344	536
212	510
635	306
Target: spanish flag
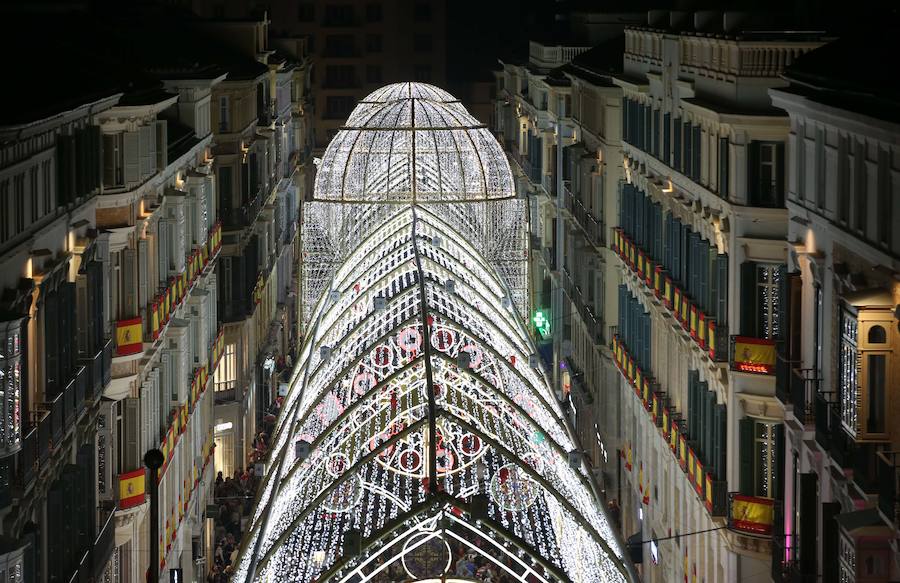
131	488
752	514
129	336
754	355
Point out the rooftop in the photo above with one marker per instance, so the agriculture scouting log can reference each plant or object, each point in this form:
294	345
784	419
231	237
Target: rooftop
848	73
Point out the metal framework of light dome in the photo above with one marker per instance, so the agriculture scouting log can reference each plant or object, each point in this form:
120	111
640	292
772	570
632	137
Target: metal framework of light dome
415	426
413	143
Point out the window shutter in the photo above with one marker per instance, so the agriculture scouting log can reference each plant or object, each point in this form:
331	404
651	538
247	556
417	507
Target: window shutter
697	151
713	283
143	273
778	472
162	243
779	174
747	452
656	132
667	138
753	190
676	162
693	406
709	430
131	147
723	167
129	282
162	144
721	446
749	307
83	314
722	285
148	150
93	169
132	434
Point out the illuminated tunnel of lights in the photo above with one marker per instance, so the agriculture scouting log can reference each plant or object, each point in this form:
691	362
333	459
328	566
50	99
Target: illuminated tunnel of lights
417	427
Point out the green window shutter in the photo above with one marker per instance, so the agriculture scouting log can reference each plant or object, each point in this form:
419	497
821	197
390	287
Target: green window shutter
709	429
723	167
778	472
747	452
780	171
721	445
753	190
693	408
676	158
749	307
721	308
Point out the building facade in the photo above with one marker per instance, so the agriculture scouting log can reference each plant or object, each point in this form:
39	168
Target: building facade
838	364
661	242
257	155
57	344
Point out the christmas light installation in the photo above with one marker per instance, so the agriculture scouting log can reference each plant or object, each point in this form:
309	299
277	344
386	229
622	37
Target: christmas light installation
415	430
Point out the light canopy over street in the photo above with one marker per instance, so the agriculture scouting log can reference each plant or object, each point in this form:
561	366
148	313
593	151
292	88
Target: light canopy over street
416	423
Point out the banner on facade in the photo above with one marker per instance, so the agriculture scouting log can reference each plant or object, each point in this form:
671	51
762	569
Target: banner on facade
129	336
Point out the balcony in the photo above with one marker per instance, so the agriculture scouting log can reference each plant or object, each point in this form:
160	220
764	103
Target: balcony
802	390
592	227
752	355
549	57
888	482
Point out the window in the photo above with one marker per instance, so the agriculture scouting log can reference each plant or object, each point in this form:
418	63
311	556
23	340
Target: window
760	299
373	43
224	114
885	216
843	186
422	12
226	187
226	374
33	192
19	194
422	43
723	167
113	161
765	174
764	456
848	374
340	76
860	187
339	45
339	14
373	12
373	73
422	73
306	12
820	168
47	186
338	106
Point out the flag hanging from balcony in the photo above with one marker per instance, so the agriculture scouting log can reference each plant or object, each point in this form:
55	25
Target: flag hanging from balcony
752	514
754	355
131	488
129	336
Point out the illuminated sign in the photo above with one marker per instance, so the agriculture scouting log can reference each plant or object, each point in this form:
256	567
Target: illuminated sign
542	323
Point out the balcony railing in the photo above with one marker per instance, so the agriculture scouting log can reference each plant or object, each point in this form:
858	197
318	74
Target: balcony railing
825	401
802	389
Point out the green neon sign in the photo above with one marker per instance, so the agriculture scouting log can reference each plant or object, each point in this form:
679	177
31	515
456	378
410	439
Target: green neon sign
542	323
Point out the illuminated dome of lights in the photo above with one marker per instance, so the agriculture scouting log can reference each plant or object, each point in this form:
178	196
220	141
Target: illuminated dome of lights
417	428
413	142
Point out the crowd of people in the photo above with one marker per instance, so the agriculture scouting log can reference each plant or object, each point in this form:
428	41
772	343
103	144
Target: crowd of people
235	495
